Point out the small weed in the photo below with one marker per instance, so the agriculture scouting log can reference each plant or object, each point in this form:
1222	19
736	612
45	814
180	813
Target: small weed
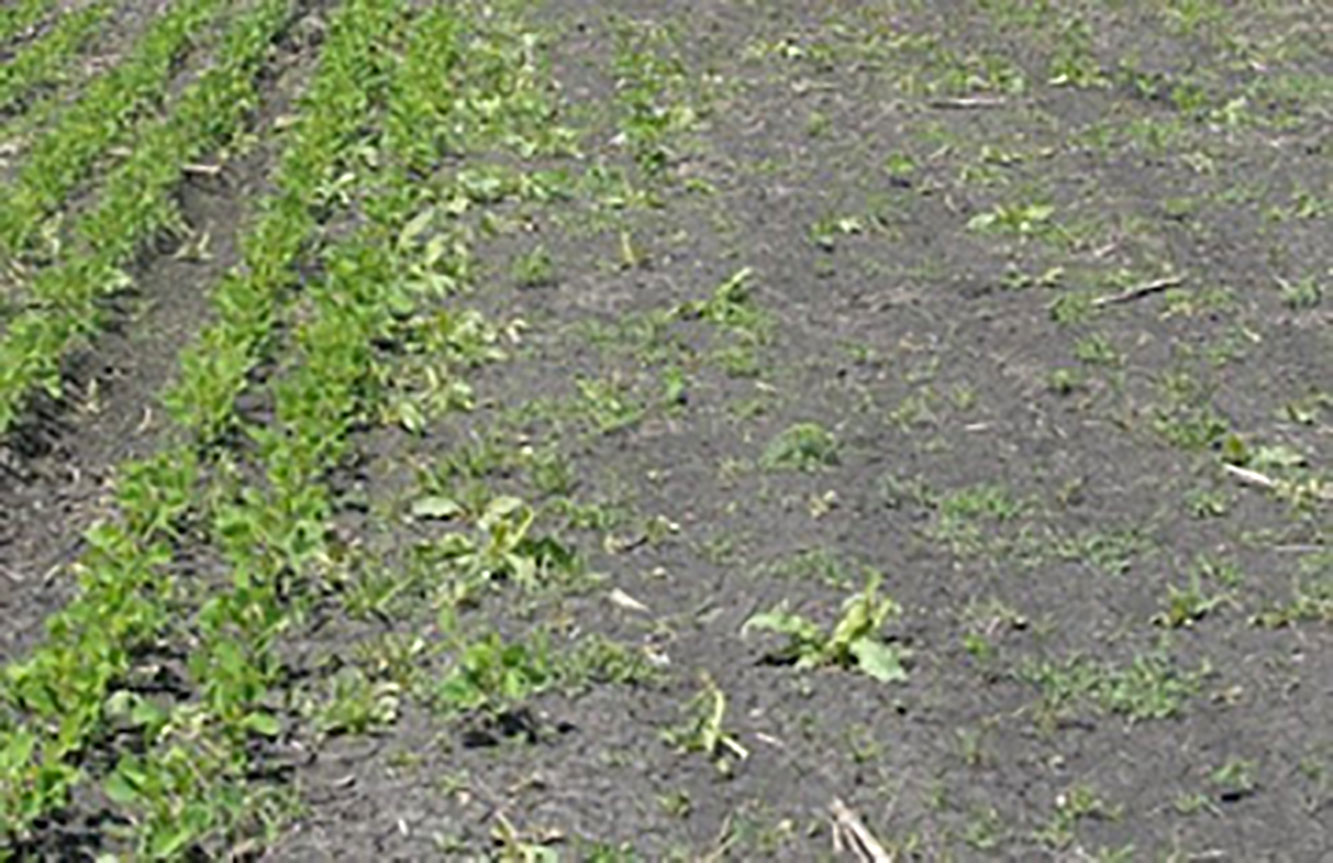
1186	606
1207	502
816	124
803	447
732	305
971	746
1192	803
704	731
985	500
534	269
500	547
864	746
854	642
1021	220
1150	687
494	677
825	232
1097	350
356	705
1311	602
985	830
598	660
677	804
1072	806
900	166
610	404
1306	411
1071	308
1233	780
1109	551
961	516
1224	572
1191	428
603	852
1065	381
821	565
1305	293
1188	419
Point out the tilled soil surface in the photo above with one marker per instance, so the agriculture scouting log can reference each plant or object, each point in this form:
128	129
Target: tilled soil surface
912	439
1030	295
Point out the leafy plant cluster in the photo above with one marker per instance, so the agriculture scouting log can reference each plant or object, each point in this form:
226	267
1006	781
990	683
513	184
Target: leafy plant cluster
652	84
1150	686
856	640
274	534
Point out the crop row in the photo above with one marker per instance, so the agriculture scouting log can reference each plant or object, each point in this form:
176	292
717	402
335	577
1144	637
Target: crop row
134	206
193	778
17	17
48	57
104	114
128	592
214	369
190	784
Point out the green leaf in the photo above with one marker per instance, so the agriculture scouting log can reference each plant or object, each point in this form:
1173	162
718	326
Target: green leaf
881	661
981	221
168	844
784	622
265	724
118	787
435	507
146	713
18	751
415	228
523	568
1234	450
1277	456
499	508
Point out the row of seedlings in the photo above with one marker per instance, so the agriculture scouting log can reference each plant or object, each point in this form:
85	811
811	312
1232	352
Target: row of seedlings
57	702
47	59
195	783
105	115
128	592
135	205
20	16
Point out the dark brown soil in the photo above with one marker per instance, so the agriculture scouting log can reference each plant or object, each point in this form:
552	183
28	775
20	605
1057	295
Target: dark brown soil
911	339
1056	288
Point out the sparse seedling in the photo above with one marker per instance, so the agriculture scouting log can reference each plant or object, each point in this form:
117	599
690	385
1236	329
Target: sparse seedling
494	677
1149	687
355	705
1233	780
1072	806
535	269
802	447
1186	606
1305	293
856	641
705	732
1020	220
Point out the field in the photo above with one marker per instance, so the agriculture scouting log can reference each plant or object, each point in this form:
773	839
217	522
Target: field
666	431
